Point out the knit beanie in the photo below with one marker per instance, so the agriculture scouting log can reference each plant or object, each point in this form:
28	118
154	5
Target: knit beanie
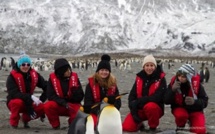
23	58
61	65
104	63
149	58
187	70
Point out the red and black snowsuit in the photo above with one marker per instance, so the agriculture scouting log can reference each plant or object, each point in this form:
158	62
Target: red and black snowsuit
181	111
20	87
95	93
64	98
146	100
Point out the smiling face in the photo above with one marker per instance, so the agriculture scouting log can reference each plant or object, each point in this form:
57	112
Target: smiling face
104	73
25	67
149	68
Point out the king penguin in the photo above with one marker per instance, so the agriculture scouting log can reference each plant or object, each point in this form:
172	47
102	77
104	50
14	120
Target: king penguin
82	124
109	120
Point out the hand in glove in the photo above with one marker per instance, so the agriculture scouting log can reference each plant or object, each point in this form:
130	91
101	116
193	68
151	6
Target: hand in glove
32	113
189	100
95	109
42	118
176	86
87	109
36	100
134	111
142	101
111	99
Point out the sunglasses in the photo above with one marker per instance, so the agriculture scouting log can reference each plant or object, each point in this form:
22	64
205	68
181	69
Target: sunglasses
26	64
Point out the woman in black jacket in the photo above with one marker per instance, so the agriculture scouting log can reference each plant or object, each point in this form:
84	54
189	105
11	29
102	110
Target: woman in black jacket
102	84
21	84
146	97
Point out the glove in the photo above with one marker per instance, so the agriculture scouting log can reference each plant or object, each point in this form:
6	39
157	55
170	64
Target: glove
134	111
87	109
141	102
111	99
189	100
32	113
68	106
36	100
42	118
176	86
95	110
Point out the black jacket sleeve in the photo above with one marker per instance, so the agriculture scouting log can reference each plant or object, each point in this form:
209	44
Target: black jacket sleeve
169	97
51	94
132	95
77	94
88	99
42	83
13	91
117	103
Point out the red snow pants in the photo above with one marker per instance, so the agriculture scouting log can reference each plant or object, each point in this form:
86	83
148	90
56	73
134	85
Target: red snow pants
196	120
53	111
17	106
151	112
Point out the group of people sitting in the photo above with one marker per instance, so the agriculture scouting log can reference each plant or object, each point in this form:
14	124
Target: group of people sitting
62	95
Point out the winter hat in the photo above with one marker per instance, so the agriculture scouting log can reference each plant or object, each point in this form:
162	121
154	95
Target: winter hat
23	58
104	63
61	66
149	58
187	70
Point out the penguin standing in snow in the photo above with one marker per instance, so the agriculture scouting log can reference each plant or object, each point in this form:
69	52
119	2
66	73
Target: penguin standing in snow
82	124
109	118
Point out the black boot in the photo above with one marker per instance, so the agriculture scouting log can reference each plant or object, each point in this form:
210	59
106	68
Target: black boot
14	127
26	125
142	127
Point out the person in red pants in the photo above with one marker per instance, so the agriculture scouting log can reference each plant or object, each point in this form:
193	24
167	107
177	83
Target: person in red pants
21	84
188	99
101	84
64	93
146	97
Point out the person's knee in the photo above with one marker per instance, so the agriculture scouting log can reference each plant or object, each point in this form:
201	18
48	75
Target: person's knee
50	104
129	128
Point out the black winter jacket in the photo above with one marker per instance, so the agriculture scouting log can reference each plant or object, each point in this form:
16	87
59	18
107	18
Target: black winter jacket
89	100
157	97
199	104
76	97
14	92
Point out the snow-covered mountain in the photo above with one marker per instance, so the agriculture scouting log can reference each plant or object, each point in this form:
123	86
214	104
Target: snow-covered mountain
89	26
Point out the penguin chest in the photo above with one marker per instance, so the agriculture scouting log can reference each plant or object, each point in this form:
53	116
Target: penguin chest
109	121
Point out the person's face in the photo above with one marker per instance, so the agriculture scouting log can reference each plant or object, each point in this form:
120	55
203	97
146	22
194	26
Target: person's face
67	73
182	78
103	73
149	68
25	67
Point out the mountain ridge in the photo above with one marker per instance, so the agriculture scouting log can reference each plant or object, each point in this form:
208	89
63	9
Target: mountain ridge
84	27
